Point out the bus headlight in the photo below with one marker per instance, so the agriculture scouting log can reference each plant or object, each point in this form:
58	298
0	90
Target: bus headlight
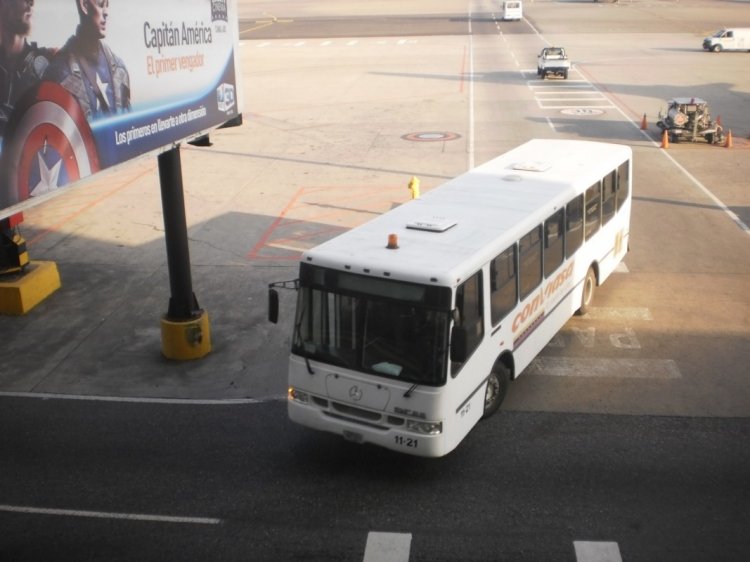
424	427
298	396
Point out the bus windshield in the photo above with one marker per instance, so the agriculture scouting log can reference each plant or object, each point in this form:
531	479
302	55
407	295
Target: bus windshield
399	337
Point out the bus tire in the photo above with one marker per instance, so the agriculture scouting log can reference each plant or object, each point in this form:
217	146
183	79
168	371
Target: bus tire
497	388
589	288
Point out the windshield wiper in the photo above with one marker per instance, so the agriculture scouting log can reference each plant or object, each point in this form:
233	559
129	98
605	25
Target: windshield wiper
412	388
304	353
307	363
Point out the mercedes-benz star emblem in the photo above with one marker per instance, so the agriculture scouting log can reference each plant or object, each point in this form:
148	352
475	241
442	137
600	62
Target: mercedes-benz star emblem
355	393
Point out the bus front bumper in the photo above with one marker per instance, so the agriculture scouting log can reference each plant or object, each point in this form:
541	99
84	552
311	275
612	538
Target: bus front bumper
389	437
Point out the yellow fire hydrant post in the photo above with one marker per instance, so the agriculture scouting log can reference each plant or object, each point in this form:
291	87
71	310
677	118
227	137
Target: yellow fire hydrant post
414	187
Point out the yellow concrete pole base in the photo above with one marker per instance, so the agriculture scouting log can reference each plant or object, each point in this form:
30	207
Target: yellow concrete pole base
189	339
21	292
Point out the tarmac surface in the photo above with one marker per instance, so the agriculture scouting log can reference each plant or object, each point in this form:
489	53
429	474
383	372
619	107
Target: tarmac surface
99	335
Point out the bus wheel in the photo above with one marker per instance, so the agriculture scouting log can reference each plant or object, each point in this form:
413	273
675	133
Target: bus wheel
589	288
497	387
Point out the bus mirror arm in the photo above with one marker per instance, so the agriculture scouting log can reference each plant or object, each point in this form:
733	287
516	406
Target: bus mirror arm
273	297
458	344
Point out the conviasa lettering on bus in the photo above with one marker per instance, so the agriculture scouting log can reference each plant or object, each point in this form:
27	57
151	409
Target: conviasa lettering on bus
545	294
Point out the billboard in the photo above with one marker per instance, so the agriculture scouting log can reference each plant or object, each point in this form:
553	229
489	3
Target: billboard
89	84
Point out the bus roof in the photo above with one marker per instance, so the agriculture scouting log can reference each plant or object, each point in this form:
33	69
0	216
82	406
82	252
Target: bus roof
451	231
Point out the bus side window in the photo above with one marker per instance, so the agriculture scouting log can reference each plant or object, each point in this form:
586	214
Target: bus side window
503	288
593	210
530	270
623	183
573	226
608	196
470	314
553	241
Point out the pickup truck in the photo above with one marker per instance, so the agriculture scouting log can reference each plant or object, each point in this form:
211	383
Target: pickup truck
552	60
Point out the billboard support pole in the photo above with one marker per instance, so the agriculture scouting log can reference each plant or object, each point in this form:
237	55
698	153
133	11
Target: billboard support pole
185	331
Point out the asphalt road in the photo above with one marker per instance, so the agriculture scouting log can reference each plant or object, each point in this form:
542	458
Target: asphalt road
631	431
240	482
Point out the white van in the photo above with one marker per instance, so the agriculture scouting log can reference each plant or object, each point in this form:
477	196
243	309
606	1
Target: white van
512	10
728	39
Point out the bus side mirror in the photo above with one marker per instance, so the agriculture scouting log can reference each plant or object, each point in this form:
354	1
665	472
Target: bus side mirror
273	306
458	344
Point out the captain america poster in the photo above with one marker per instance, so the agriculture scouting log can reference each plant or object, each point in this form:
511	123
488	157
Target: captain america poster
89	84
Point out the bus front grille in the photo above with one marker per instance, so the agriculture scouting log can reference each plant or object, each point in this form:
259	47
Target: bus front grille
356	412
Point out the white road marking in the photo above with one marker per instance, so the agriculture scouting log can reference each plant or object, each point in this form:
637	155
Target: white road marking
606	313
718	202
388	547
625	340
108	515
569	100
589	551
707	192
661	369
565	87
328	43
217	402
546	95
567	94
470	147
585	336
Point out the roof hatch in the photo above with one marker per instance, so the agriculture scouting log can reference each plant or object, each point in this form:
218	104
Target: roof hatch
432	224
532	166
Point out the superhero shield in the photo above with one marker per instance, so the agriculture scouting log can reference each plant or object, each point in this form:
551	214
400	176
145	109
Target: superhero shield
48	144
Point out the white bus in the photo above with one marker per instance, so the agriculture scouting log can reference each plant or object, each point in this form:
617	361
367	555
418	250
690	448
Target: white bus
410	327
513	10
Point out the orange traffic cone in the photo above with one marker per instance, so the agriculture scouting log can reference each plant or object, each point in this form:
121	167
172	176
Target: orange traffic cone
729	143
665	139
644	123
